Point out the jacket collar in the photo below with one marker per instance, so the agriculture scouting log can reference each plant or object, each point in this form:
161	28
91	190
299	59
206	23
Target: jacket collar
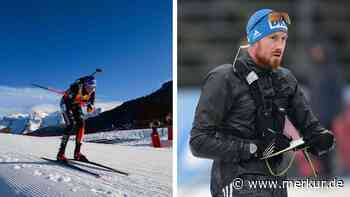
250	62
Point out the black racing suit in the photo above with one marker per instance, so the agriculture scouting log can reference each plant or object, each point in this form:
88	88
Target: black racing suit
225	125
71	106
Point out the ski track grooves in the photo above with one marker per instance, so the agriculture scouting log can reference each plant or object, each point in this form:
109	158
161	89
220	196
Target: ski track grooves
25	174
54	174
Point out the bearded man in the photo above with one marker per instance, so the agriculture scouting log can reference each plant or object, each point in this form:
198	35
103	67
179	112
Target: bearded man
242	109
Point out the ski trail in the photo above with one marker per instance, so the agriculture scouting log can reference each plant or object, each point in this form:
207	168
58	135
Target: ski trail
24	173
39	173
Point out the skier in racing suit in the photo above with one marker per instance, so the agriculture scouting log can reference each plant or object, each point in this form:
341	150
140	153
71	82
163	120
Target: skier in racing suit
79	94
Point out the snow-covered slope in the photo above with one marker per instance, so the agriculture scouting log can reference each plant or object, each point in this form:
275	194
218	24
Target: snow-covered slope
24	173
126	137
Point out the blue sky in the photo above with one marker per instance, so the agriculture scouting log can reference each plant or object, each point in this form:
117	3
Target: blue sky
54	42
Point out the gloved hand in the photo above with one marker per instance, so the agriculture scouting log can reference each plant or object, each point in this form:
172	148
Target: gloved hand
272	142
320	143
90	108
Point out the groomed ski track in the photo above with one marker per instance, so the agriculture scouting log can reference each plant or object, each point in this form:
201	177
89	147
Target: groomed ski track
23	173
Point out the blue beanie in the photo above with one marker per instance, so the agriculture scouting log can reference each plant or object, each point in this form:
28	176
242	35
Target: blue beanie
259	26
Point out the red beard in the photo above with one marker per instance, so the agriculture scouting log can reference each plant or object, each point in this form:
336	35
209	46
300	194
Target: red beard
270	63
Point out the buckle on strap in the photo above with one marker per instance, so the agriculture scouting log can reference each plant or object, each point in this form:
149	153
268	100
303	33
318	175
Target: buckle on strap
251	77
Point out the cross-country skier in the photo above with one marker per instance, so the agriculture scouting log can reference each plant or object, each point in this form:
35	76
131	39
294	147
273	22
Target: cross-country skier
79	94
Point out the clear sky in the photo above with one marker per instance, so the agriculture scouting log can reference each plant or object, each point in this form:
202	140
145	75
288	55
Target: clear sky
54	42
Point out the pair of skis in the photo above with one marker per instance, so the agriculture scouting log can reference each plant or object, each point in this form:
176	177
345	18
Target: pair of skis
71	164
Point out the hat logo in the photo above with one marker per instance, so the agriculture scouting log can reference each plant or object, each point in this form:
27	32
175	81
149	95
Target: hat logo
277	24
256	34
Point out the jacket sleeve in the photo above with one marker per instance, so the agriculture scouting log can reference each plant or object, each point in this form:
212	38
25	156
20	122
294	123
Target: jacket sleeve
73	93
300	113
215	101
91	100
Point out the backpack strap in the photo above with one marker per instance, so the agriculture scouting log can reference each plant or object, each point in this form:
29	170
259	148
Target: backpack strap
262	100
251	78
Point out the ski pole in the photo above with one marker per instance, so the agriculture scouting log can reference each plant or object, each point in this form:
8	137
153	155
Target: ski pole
48	88
98	70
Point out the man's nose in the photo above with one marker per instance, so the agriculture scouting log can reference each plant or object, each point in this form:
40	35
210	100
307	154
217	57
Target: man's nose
280	44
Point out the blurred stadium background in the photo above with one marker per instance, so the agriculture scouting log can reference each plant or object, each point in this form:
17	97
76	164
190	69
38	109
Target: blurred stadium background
209	33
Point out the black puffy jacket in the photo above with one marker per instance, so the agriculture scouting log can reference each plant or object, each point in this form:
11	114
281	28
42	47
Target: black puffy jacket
224	124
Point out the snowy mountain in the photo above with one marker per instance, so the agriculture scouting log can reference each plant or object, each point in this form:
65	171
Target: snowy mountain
26	123
42	116
16	122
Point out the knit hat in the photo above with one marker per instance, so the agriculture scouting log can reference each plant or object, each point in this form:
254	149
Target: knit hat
260	25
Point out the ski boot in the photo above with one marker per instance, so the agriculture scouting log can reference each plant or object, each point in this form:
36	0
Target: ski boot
60	154
61	157
77	154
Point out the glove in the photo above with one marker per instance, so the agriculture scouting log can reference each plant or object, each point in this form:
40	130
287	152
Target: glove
320	143
273	142
90	108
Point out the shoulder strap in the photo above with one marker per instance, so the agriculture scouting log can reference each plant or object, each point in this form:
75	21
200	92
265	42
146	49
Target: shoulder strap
250	77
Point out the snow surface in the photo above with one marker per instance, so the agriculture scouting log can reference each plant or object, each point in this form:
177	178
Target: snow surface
137	137
24	173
